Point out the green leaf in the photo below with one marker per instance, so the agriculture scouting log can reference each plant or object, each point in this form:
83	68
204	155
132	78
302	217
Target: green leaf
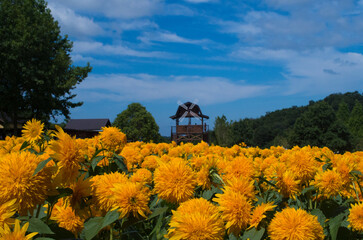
24	145
95	161
320	215
119	160
327	166
356	172
44	238
253	234
92	227
308	189
41	165
231	236
110	217
334	225
318	159
158	211
63	192
37	225
208	194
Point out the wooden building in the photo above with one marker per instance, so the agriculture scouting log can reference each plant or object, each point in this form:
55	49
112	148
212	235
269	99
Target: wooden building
86	128
7	126
189	132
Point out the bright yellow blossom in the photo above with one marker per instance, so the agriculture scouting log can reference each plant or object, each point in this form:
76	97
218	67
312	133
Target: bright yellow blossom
174	181
295	224
196	219
17	234
32	130
355	218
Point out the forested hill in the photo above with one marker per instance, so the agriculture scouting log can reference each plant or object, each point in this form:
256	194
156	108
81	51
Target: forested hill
335	122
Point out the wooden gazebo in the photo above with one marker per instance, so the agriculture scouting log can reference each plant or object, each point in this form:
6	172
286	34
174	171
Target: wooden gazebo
190	132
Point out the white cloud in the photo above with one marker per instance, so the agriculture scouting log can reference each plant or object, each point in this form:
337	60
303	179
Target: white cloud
303	24
164	36
125	9
79	59
98	48
313	71
73	24
145	87
200	1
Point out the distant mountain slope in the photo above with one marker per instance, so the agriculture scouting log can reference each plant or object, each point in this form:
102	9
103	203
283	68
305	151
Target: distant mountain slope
277	127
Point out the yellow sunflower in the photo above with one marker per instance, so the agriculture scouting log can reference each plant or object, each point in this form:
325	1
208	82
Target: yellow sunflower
81	190
17	180
17	234
174	181
102	188
259	213
242	185
68	154
131	198
329	183
67	218
7	210
236	210
113	139
355	218
142	175
196	219
295	224
239	167
32	130
288	184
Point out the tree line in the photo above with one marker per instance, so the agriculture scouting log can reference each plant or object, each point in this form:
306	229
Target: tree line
335	122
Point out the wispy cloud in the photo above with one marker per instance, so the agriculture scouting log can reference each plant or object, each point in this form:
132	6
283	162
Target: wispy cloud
145	87
99	48
200	1
74	24
321	71
165	36
302	24
124	9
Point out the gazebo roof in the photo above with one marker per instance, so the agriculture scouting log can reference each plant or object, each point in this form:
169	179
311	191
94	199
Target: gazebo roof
181	111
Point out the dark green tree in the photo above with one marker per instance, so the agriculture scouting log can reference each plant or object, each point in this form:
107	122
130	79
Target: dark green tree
242	131
355	124
355	121
138	124
318	126
36	71
343	112
223	132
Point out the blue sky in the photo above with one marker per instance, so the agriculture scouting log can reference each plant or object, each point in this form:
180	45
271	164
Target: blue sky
235	58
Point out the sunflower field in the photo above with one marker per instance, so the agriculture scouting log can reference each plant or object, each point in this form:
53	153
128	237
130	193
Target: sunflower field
54	186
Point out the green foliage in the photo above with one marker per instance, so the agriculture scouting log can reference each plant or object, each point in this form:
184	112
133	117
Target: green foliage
355	121
343	112
222	131
36	70
316	128
138	124
355	124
